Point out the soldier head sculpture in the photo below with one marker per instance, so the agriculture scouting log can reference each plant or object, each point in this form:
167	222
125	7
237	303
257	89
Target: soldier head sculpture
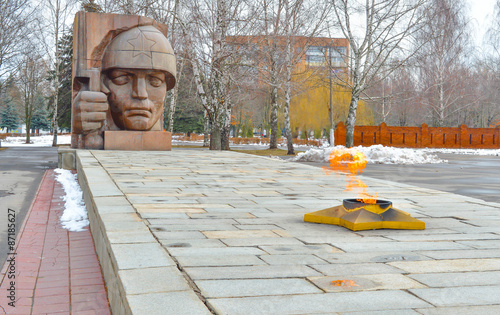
137	69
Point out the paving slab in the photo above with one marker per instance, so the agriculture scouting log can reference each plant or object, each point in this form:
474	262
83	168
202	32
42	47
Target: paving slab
458	279
356	269
216	251
228	229
292	260
153	280
459	254
251	272
219	260
456	265
483	310
365	283
460	296
254	287
388	312
261	241
240	234
182	303
141	255
198	242
327	303
399	246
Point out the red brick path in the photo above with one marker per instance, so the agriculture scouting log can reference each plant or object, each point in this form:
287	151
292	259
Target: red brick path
57	271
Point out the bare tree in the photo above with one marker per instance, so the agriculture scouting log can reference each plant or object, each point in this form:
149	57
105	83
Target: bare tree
55	15
281	23
31	75
441	61
300	18
395	99
377	31
208	24
485	80
15	15
488	73
493	34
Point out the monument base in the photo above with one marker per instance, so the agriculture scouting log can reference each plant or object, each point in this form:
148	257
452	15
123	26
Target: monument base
138	140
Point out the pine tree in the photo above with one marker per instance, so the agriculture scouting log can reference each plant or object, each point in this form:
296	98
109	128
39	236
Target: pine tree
40	119
65	85
91	6
9	118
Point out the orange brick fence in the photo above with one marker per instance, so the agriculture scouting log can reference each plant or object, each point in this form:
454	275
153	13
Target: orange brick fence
422	137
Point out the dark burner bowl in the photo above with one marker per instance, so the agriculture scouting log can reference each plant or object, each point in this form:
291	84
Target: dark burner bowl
351	204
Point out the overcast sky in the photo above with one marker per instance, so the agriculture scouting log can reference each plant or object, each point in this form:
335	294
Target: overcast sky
482	13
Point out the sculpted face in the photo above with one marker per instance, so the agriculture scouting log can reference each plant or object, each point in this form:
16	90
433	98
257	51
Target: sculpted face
135	97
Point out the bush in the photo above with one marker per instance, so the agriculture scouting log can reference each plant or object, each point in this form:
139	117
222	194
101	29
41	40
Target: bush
317	134
249	131
303	135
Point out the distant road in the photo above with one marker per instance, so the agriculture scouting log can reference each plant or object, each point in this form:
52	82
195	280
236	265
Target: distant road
21	171
469	175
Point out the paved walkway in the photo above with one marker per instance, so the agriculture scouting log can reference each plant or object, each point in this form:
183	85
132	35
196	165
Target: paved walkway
197	232
56	271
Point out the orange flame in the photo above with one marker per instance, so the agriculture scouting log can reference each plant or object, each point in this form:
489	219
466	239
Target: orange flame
353	162
344	283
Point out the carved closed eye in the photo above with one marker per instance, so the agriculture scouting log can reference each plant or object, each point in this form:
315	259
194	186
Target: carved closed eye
121	80
154	81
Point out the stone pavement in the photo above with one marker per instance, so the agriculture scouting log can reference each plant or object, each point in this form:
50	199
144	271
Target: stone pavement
198	232
56	271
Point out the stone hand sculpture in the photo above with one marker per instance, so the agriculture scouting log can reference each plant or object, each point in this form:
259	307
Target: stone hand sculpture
128	91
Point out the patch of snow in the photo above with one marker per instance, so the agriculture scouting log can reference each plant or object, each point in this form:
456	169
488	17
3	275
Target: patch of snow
74	217
375	154
36	141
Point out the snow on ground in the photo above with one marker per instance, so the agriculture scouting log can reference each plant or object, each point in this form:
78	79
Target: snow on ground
36	141
379	154
74	217
375	154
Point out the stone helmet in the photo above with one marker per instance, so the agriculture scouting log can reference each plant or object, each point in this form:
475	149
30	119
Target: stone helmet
141	47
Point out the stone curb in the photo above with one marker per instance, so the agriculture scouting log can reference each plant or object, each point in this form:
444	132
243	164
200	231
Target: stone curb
140	276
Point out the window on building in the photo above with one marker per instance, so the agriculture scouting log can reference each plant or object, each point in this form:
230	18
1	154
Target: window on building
315	56
338	56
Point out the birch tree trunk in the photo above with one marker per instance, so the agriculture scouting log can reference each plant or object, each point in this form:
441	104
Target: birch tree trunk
171	109
173	99
227	121
206	129
218	95
351	119
288	83
273	140
57	62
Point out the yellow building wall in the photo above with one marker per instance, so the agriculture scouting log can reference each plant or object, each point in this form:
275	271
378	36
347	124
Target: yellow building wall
310	110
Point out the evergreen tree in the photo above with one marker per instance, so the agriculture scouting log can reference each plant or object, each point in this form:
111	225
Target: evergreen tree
188	116
65	88
40	119
91	6
9	117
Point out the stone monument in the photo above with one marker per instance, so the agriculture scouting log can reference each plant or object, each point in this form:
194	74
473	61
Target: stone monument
123	66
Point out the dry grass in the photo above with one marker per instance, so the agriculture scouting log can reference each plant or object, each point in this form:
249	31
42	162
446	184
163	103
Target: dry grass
255	140
267	152
178	146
